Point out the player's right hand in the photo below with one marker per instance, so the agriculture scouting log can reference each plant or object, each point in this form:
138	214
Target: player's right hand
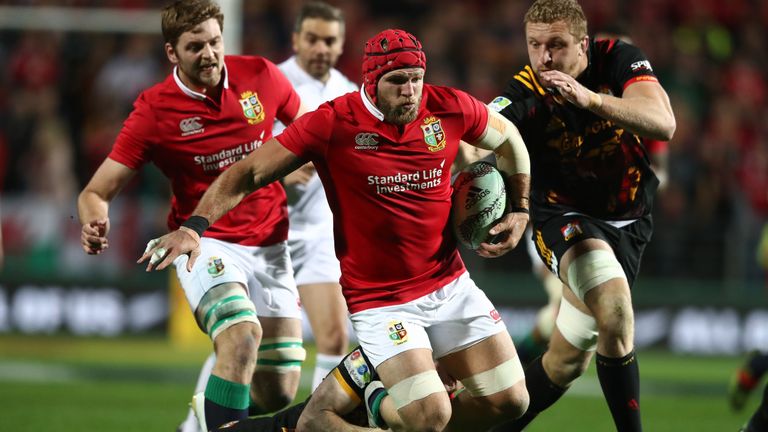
93	236
161	252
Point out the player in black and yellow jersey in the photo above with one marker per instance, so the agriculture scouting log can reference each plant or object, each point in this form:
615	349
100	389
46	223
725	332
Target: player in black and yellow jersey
582	106
335	405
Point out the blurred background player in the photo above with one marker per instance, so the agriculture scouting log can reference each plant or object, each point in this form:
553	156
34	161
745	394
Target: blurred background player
318	40
582	106
203	118
748	376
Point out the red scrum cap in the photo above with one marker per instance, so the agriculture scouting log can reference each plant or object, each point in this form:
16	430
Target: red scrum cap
389	50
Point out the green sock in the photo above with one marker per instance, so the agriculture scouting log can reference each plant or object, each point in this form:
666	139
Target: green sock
227	393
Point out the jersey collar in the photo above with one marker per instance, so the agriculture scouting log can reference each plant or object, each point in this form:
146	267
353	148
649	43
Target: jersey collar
369	105
193	94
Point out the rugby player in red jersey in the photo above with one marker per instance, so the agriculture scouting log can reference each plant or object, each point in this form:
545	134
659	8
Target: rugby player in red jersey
209	113
384	156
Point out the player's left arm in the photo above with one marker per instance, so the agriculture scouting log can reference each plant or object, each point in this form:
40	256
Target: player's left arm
644	108
261	167
503	138
328	407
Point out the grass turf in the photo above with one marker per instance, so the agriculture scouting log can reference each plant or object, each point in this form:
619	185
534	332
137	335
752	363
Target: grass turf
59	383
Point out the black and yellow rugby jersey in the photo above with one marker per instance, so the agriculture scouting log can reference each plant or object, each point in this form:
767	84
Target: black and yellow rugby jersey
581	162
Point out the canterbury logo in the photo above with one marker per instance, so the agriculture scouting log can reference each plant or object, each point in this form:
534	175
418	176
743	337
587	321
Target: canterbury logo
366	141
190	126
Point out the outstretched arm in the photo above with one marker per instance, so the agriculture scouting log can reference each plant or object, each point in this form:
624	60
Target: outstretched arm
503	138
263	166
93	204
330	407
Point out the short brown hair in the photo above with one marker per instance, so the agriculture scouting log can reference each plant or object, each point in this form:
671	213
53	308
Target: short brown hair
549	11
184	15
318	9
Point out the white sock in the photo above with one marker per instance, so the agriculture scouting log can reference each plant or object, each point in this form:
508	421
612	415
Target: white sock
190	423
324	364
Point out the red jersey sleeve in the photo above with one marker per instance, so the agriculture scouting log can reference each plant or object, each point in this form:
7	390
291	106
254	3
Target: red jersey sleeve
288	99
475	116
133	144
310	134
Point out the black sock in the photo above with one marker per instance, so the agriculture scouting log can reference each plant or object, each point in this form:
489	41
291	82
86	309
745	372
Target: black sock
620	380
543	393
217	415
759	421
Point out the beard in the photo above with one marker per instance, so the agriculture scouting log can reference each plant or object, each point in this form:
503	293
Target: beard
200	77
399	114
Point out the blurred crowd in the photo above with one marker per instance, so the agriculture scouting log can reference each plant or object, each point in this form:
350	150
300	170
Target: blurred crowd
64	95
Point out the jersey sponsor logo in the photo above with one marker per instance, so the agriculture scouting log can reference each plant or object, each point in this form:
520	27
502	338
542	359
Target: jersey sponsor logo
397	332
252	108
215	266
641	65
571	230
433	134
401	182
367	141
499	103
225	157
358	369
191	126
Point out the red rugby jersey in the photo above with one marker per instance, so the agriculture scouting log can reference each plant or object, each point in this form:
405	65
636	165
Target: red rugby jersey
390	190
193	138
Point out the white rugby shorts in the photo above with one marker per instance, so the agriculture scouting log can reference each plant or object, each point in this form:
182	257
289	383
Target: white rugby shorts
313	256
448	320
264	270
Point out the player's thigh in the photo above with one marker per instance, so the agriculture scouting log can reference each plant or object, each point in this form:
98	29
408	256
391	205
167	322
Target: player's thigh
218	265
490	370
324	305
270	282
314	258
327	314
415	388
465	317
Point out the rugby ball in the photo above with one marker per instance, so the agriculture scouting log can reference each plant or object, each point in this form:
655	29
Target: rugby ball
479	201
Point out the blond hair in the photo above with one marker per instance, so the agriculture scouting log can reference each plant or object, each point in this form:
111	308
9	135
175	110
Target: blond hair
549	11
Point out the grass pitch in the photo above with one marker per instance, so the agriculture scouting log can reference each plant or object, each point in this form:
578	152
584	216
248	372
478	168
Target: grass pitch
58	383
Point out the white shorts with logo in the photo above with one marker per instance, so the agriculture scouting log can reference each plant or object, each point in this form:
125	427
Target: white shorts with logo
448	320
264	270
313	256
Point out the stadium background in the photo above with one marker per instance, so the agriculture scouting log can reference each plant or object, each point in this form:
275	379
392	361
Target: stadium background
99	328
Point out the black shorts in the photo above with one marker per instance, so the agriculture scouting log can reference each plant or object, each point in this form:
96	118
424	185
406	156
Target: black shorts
554	236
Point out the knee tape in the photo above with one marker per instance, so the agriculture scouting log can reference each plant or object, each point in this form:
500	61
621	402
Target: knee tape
280	354
496	379
416	387
224	306
577	327
591	269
